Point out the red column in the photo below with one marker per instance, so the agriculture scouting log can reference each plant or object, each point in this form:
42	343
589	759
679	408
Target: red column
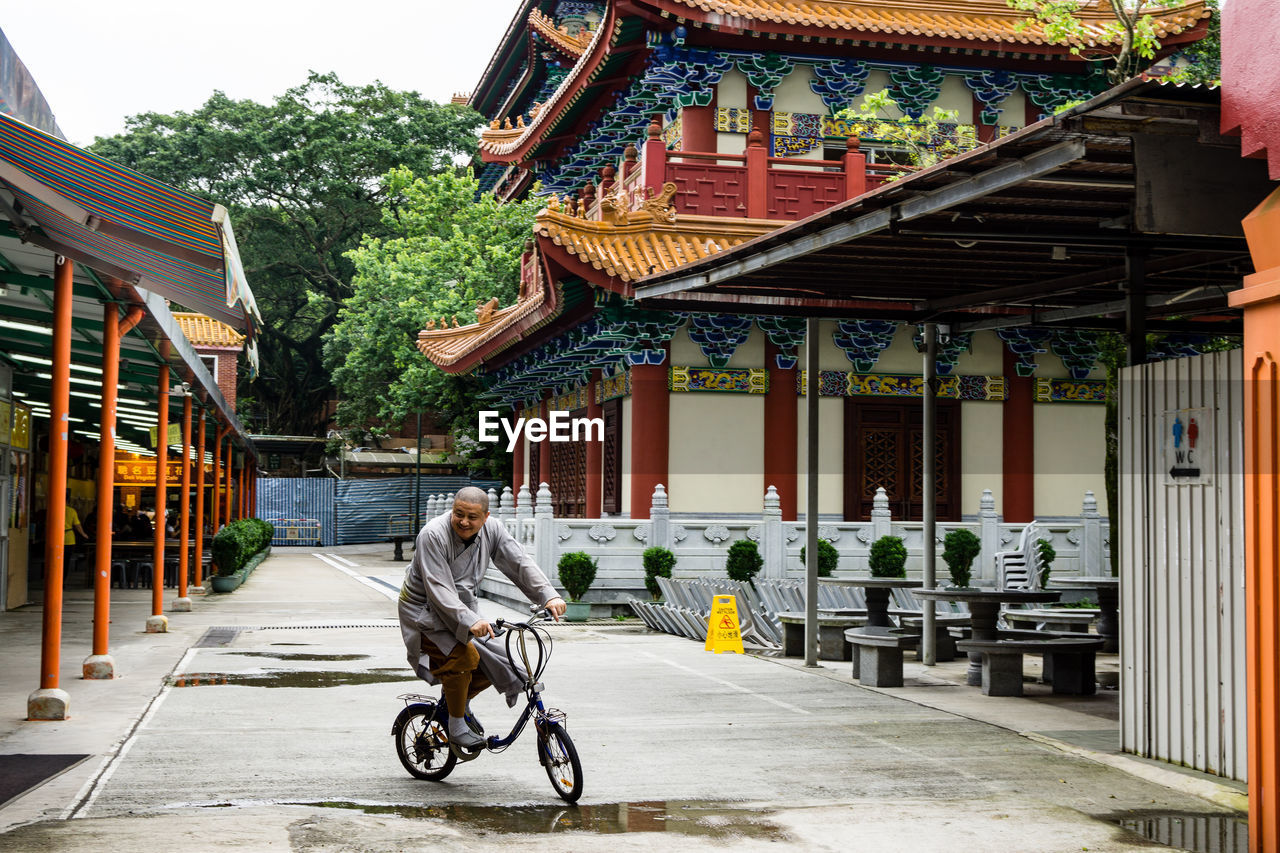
1018	416
517	458
757	176
1260	299
244	478
781	433
98	666
215	504
199	554
986	132
155	623
650	434
229	488
49	702
544	452
698	128
184	507
855	169
595	451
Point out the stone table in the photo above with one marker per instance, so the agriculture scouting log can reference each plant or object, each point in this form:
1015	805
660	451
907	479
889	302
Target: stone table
878	591
984	610
1108	589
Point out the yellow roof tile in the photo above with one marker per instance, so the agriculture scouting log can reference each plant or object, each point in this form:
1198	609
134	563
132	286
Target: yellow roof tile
571	45
205	331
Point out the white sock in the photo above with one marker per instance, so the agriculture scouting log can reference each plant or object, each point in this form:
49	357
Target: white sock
458	726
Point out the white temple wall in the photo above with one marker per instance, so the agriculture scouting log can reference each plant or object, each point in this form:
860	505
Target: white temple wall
982	454
717	453
1070	451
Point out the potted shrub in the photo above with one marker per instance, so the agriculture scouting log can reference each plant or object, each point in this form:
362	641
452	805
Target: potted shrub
1045	549
888	558
959	549
828	557
744	561
577	573
658	563
238	548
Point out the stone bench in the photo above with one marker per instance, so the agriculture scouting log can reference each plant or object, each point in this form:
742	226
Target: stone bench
877	661
944	648
1075	620
831	627
1068	663
398	539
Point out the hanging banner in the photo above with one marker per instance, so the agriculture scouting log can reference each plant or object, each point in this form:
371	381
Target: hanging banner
175	435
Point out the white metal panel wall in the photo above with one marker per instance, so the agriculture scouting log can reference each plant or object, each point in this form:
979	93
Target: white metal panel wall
1181	544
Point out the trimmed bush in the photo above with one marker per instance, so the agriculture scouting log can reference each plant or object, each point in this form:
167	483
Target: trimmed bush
1047	555
959	549
658	563
577	573
238	541
888	558
828	557
744	561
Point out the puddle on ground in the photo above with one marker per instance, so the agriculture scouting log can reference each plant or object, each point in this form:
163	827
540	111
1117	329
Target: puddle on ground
291	678
1200	833
296	656
687	818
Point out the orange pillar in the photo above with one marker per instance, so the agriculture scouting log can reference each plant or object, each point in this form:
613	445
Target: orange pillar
1260	299
226	510
49	702
781	433
183	602
157	623
98	665
1018	417
757	176
199	555
215	503
240	504
595	451
650	438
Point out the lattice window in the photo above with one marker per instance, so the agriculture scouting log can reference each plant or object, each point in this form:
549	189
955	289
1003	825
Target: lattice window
941	468
611	475
880	465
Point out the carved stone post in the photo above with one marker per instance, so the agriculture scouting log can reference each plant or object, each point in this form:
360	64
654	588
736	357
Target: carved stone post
881	520
493	500
989	534
660	520
507	503
544	537
1091	563
772	540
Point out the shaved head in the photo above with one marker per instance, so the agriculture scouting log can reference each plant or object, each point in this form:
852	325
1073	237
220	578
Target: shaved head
473	495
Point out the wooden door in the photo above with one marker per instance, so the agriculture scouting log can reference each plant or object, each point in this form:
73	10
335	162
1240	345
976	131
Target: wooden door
611	461
883	447
569	475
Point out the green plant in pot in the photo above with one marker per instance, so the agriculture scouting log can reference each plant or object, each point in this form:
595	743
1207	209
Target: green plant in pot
577	573
658	563
959	549
828	557
744	561
1047	555
888	558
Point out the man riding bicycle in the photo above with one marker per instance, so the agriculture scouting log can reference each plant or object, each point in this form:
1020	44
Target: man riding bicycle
438	608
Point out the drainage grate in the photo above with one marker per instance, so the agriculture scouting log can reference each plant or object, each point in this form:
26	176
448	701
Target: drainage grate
215	637
326	627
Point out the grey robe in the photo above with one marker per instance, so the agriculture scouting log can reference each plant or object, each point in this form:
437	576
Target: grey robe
438	596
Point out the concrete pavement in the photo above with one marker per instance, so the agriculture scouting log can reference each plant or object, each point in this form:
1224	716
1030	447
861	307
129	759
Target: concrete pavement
273	729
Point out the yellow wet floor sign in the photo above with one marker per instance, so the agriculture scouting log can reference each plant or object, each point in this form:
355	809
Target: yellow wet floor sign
723	634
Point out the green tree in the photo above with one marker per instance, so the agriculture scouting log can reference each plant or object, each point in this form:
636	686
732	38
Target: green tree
925	141
447	249
1129	42
301	178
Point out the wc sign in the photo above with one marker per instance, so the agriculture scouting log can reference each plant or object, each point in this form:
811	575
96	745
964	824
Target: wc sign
1188	446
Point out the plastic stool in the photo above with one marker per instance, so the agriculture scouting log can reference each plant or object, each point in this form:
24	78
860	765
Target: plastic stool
142	571
119	573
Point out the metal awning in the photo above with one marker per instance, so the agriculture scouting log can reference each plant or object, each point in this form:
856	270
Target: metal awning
1046	226
125	224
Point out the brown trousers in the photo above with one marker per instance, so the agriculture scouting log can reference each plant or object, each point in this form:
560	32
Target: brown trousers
458	673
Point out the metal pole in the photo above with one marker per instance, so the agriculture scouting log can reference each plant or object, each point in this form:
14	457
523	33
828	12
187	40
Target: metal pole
929	640
1135	312
417	479
811	494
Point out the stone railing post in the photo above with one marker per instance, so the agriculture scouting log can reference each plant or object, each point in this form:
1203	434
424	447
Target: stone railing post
881	520
660	520
757	176
1091	562
507	504
544	537
772	540
855	169
989	534
493	500
524	516
655	157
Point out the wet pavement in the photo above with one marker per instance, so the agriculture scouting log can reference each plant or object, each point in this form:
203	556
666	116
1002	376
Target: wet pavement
263	720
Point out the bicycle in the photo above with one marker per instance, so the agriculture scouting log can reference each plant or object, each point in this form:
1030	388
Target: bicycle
421	730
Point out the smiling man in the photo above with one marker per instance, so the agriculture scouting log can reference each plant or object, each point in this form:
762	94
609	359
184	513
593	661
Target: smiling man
444	633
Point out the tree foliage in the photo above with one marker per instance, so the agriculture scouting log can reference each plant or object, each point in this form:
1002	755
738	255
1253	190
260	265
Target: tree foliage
925	141
301	178
446	250
1129	42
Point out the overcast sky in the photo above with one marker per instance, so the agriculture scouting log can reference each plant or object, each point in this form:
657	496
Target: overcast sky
97	62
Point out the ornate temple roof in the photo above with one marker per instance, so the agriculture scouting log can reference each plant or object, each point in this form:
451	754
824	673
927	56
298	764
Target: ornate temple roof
559	37
205	331
634	244
970	20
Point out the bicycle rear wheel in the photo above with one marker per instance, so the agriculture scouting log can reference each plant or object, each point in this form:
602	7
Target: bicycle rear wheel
559	757
422	743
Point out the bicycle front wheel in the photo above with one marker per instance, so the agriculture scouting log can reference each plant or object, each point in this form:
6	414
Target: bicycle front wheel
559	757
422	743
